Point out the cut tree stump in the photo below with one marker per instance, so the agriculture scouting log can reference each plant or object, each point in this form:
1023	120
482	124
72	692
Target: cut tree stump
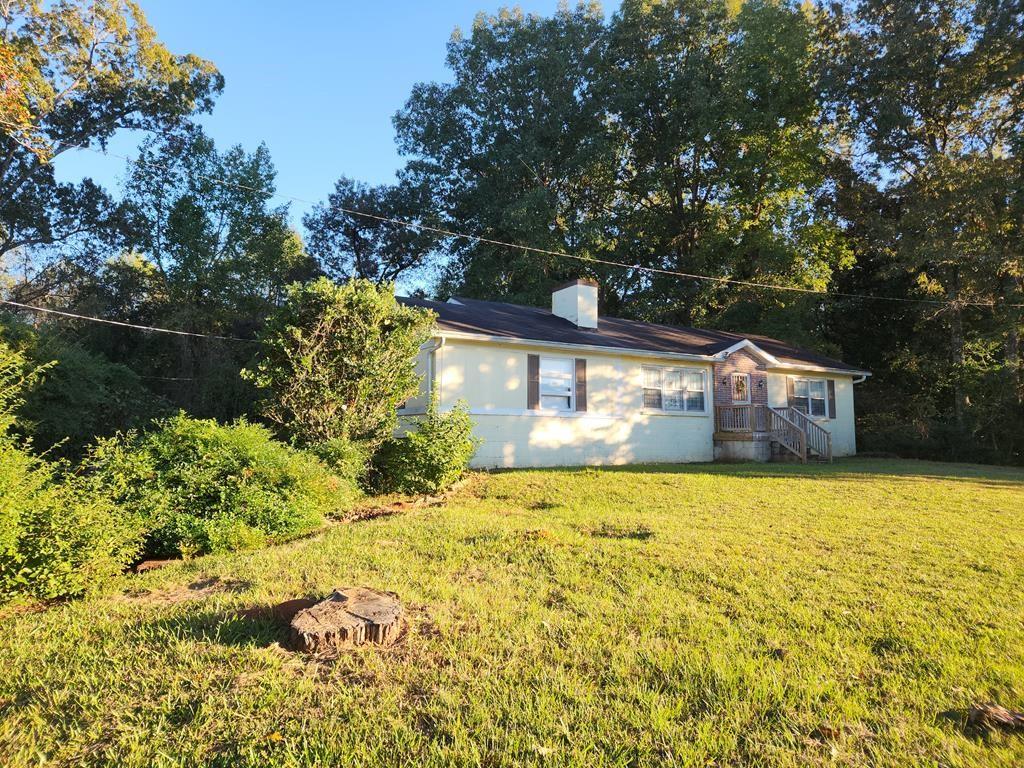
347	617
991	717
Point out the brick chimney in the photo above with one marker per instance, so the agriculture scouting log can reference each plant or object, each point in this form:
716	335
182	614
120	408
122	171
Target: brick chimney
576	301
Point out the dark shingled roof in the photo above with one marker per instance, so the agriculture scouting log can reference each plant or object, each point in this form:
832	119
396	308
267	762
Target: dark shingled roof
492	318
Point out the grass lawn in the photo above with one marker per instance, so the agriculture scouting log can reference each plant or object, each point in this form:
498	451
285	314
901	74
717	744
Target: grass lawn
696	615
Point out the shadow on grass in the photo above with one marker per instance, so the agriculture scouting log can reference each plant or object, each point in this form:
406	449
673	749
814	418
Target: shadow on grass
851	469
236	628
258	626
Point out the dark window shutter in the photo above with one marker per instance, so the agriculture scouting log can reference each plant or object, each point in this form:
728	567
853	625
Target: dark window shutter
581	384
831	398
533	382
789	391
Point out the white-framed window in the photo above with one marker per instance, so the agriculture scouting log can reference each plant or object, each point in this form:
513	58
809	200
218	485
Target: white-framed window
674	389
810	396
741	387
556	383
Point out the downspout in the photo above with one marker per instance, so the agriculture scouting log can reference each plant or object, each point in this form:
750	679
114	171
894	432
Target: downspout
861	380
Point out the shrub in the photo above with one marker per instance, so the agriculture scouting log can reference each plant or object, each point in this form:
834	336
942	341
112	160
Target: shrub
81	395
429	458
346	459
337	360
57	536
200	486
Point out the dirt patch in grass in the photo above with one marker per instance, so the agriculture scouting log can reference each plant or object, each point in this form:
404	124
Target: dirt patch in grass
389	507
371	513
538	534
179	593
36	606
612	531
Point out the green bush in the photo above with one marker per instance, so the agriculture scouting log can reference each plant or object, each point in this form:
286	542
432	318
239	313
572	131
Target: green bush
347	459
429	458
58	537
81	395
336	361
200	486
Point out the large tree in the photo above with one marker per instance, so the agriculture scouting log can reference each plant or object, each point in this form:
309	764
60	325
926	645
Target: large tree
724	163
683	135
349	245
204	219
931	99
516	149
73	73
208	254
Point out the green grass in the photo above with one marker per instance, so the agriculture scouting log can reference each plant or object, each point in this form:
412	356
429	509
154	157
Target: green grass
702	615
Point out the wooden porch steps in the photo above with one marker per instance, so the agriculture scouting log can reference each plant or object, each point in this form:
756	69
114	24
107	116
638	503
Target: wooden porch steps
791	432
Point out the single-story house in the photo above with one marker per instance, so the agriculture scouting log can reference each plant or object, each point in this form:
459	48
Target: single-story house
566	387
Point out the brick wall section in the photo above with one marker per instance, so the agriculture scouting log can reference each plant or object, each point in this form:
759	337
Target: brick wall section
741	362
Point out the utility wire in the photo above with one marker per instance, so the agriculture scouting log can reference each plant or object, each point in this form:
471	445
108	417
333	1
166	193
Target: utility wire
562	254
121	324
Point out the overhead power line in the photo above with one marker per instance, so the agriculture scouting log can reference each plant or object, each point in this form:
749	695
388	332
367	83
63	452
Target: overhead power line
562	254
119	323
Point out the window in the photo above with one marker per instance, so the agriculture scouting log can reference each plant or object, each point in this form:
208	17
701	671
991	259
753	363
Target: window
556	383
741	387
809	396
652	387
673	389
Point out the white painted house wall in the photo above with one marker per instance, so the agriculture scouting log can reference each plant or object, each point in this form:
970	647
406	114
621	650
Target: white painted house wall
615	429
844	440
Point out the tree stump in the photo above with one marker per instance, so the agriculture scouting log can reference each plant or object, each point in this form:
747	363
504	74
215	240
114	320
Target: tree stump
347	617
991	717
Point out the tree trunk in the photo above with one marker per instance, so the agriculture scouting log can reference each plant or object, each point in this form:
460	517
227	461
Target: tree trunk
1012	295
956	348
1013	360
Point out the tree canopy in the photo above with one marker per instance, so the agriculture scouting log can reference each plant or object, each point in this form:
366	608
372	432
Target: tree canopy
75	74
865	155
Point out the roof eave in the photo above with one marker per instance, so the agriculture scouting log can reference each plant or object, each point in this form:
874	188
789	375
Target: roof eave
633	352
811	367
747	344
772	362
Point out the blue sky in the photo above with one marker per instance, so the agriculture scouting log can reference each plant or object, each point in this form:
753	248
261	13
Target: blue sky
317	81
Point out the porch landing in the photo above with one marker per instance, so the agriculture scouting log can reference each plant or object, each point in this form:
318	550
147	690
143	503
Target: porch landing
763	433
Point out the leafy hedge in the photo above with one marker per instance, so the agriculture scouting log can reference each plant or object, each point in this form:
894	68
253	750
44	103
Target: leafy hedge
79	396
336	361
200	486
429	458
58	536
345	458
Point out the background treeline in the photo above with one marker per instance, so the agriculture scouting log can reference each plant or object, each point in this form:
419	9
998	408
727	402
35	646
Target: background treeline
861	147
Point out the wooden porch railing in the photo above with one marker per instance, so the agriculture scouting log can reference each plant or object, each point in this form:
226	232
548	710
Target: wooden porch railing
819	439
792	429
787	434
741	418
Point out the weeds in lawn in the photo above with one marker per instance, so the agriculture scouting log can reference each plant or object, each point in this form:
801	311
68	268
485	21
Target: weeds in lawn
739	615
